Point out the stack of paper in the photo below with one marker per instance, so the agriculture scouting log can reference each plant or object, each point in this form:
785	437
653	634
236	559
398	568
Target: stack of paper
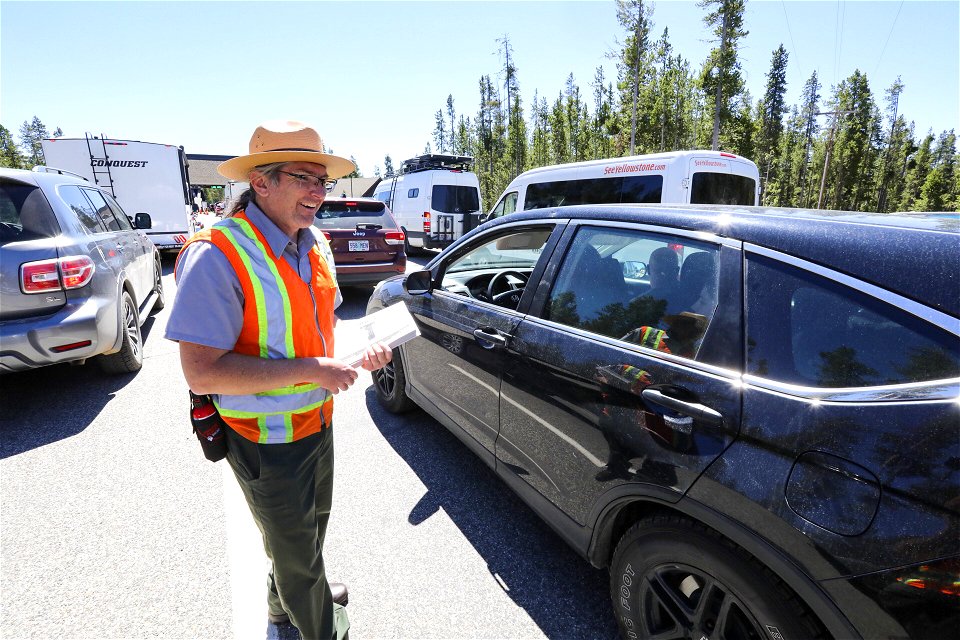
392	326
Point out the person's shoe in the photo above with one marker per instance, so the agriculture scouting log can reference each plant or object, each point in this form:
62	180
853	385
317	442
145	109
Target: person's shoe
339	592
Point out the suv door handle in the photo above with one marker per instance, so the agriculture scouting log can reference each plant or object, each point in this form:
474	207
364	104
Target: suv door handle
490	338
693	409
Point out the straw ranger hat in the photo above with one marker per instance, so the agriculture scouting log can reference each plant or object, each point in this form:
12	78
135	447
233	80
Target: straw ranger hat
284	141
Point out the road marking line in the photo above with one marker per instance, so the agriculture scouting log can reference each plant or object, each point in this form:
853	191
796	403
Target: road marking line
246	561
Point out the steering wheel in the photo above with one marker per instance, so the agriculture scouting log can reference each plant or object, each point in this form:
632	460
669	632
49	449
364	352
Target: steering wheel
510	297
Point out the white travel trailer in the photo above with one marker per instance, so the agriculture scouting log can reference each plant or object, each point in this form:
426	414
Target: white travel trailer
682	177
435	199
142	176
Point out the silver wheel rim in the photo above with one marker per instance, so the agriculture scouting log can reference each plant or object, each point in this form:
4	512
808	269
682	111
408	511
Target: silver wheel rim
132	329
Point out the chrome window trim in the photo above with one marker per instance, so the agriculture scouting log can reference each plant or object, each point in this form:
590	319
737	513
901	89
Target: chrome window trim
702	367
703	236
938	390
938	318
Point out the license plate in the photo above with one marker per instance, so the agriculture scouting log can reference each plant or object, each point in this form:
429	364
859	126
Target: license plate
358	245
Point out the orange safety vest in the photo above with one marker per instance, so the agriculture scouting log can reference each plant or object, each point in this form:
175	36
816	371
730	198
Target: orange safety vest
283	317
653	338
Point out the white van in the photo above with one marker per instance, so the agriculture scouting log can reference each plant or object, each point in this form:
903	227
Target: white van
435	199
683	177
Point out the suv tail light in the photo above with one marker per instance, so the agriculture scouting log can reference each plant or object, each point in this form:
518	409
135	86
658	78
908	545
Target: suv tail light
56	274
426	222
327	236
393	237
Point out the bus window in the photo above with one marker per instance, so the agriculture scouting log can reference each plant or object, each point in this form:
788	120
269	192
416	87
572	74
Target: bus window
642	189
616	190
507	204
723	188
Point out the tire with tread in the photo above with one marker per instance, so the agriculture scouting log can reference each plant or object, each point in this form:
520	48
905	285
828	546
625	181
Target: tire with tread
390	384
671	577
160	302
129	358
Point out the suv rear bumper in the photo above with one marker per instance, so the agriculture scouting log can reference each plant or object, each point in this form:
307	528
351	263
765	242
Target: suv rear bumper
28	343
369	274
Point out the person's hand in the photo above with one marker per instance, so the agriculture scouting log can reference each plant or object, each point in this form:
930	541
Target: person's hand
376	357
333	375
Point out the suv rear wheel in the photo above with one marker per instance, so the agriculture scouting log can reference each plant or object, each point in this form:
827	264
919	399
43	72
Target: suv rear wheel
673	578
160	303
130	357
389	383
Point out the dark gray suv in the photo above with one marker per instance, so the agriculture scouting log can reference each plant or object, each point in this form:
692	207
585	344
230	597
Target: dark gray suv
749	416
77	276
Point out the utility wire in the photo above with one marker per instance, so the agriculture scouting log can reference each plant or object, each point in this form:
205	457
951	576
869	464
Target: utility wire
882	51
796	58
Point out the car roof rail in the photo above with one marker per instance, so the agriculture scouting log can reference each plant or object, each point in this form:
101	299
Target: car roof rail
40	168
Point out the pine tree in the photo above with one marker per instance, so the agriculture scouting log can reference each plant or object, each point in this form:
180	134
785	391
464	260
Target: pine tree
31	133
886	170
721	79
9	153
451	114
440	131
850	176
809	108
387	165
772	108
634	17
540	134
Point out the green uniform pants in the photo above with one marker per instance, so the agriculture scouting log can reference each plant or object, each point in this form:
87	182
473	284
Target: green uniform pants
289	489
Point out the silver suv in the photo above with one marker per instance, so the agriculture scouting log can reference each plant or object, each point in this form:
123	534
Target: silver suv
77	276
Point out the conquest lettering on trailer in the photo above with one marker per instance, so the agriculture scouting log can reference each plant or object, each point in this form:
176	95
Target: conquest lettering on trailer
120	163
632	168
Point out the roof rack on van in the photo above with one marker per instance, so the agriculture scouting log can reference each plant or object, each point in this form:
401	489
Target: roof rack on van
45	169
436	161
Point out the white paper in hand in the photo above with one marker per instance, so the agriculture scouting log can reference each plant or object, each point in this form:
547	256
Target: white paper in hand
392	326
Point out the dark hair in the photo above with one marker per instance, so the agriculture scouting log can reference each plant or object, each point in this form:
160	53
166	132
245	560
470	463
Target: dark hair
268	171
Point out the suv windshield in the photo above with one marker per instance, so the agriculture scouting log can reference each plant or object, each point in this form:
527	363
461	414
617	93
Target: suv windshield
347	215
24	214
448	198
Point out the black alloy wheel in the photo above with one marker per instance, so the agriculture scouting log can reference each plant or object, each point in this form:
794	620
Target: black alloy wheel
672	578
390	384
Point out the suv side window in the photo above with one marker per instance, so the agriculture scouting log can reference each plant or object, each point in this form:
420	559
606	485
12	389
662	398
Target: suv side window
808	330
507	204
103	210
118	213
655	290
82	207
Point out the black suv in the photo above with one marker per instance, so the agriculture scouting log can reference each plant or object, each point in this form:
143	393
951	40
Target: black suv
78	277
750	416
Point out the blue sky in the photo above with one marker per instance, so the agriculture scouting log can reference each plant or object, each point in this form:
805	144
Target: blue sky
370	75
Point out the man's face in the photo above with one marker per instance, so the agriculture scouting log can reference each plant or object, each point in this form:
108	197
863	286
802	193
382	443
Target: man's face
292	202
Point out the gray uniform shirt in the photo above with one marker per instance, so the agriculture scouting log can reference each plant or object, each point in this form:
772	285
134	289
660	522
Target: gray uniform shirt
208	306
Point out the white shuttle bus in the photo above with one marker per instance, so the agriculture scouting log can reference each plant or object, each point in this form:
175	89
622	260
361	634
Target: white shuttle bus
142	176
681	177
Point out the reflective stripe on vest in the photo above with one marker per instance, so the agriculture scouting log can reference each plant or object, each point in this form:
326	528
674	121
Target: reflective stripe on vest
271	416
653	338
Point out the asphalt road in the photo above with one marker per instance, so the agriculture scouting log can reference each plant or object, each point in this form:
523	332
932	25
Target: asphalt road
113	525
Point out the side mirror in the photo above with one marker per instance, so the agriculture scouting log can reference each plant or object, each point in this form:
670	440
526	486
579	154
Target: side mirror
634	269
418	283
142	221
